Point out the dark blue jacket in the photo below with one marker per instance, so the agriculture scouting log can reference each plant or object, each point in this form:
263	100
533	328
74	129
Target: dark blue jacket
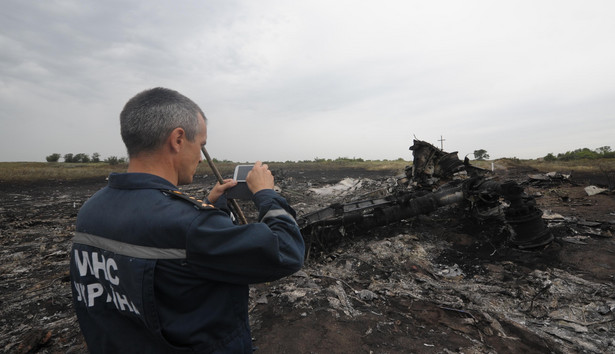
154	271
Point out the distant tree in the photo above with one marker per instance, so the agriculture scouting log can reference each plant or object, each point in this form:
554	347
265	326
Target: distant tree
122	160
111	160
81	157
481	154
55	157
68	157
603	150
577	154
585	153
95	157
550	157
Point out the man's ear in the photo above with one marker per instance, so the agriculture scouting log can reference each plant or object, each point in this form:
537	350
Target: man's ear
177	139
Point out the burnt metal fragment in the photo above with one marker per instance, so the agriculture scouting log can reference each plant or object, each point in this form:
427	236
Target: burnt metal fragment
525	218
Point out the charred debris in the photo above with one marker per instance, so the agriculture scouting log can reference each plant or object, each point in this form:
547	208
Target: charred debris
486	252
435	180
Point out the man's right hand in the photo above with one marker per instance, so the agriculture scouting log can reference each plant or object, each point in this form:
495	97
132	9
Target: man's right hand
259	178
219	189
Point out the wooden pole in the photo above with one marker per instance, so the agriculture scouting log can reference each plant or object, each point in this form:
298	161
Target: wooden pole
240	216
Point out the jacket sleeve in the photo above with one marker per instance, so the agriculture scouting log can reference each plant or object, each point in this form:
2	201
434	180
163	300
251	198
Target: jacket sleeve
263	251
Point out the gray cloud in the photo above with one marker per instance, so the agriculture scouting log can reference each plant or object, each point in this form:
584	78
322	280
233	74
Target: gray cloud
293	81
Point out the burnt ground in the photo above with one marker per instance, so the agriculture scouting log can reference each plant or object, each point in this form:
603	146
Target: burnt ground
438	283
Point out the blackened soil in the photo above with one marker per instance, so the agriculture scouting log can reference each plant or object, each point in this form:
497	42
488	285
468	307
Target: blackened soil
439	283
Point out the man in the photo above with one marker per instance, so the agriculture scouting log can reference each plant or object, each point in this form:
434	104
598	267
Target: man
153	270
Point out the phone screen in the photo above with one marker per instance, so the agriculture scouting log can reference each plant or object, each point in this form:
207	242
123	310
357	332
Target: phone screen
241	172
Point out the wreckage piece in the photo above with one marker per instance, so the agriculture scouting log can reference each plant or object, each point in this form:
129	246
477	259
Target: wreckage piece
525	218
521	214
325	227
429	161
528	228
432	166
378	212
436	179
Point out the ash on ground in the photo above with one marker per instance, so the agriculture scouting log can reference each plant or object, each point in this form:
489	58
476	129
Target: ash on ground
437	283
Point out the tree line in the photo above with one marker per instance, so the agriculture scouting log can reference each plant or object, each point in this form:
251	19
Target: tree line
85	158
480	154
584	153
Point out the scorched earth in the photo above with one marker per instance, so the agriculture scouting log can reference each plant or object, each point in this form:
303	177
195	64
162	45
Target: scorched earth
436	283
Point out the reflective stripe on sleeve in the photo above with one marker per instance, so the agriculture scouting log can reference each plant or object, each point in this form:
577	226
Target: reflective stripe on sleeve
127	249
277	212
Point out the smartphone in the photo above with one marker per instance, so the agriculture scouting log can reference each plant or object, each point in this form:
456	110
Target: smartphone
241	190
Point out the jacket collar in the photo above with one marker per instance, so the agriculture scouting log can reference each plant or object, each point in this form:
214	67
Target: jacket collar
139	181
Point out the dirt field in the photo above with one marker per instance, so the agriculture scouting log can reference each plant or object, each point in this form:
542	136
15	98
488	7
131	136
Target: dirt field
439	283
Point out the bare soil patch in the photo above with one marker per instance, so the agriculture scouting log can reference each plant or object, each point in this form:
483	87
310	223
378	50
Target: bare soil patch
437	283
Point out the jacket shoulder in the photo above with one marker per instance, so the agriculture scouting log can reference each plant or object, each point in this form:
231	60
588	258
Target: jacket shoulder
200	204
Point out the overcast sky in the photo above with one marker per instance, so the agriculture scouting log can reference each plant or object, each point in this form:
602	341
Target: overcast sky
295	80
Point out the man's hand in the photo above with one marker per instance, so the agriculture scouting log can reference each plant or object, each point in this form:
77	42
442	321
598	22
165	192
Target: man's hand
259	178
219	189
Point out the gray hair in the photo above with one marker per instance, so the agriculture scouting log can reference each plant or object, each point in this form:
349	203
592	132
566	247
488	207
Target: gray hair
149	117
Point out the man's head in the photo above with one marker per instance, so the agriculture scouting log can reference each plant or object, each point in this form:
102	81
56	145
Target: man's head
164	132
149	117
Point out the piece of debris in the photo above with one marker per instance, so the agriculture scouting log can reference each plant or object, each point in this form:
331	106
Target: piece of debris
549	215
450	272
345	186
593	190
548	179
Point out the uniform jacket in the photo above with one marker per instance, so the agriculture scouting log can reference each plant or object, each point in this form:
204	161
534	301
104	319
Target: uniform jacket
155	271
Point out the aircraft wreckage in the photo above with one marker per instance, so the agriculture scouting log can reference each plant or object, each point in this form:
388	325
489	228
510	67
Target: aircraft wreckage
436	179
